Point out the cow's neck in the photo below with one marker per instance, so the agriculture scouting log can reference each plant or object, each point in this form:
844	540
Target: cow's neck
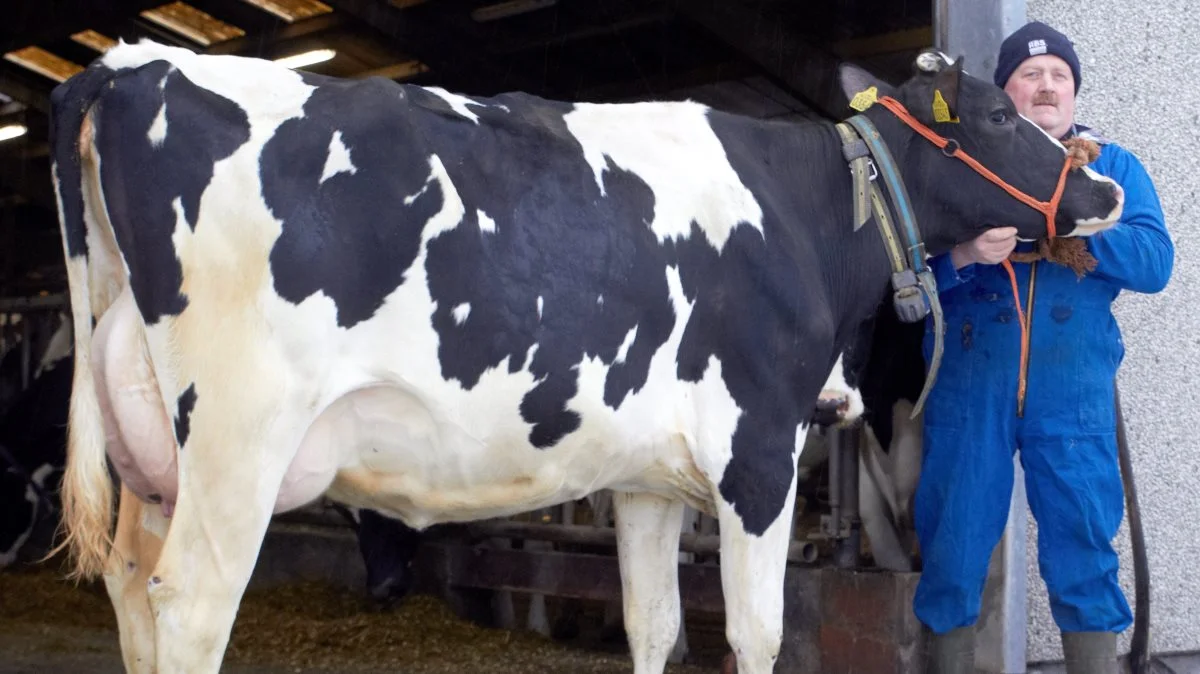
854	265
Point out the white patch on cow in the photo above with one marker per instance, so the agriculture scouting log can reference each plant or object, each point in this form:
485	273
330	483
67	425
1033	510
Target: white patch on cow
486	223
268	92
623	351
1044	133
836	388
158	128
457	102
1089	226
452	211
408	201
338	160
541	304
673	149
461	312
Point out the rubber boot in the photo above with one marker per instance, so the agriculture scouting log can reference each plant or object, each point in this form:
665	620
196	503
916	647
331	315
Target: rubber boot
952	652
1090	652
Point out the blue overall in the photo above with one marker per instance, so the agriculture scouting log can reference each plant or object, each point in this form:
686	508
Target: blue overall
1067	433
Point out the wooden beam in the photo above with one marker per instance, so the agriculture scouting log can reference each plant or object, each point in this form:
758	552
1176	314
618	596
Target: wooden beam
48	22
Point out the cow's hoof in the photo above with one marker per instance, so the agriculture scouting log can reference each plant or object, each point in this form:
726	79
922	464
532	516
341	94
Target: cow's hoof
729	664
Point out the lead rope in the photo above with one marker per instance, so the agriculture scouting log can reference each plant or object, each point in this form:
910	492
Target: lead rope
1012	277
1080	154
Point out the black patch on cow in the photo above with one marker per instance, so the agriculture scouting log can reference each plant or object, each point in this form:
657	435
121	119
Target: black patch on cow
765	301
894	369
591	259
70	102
183	415
1061	313
352	236
142	181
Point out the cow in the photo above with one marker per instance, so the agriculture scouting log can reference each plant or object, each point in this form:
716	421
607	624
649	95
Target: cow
450	308
33	449
882	382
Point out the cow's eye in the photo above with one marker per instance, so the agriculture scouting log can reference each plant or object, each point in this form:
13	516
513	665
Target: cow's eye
998	117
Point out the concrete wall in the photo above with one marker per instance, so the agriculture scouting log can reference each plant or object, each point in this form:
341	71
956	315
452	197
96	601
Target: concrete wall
1138	62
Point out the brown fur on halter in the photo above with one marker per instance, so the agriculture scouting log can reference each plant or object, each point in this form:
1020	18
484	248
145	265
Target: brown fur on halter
1072	252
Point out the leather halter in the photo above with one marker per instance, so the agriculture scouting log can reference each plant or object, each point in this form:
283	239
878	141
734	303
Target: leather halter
915	289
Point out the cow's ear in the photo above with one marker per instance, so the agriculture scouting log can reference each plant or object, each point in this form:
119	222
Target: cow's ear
862	88
945	92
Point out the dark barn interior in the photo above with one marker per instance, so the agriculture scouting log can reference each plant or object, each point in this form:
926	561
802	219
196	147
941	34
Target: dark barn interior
760	57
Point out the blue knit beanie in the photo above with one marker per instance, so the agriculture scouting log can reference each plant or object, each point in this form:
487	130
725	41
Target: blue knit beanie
1033	39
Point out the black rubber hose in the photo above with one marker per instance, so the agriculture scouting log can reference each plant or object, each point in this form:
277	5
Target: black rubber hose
1139	650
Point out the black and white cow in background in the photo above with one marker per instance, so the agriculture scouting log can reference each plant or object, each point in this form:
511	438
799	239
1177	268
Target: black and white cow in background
448	309
33	446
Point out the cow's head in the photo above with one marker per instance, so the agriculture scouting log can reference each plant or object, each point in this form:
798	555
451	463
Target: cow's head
953	202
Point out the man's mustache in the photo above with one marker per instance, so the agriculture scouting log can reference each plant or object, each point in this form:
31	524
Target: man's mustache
1045	99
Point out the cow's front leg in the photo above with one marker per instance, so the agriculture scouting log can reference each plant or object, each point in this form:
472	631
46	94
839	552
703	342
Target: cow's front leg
141	529
648	528
755	500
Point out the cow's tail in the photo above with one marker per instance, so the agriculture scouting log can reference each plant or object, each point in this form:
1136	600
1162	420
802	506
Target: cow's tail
87	488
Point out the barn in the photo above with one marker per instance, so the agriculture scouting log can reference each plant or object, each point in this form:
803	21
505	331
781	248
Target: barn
847	610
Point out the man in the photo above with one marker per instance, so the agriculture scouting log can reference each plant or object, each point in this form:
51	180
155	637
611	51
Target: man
1064	423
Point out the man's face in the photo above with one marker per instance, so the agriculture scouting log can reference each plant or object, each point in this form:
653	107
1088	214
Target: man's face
1043	89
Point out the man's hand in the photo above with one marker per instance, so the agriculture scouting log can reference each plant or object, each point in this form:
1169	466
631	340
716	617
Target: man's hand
991	247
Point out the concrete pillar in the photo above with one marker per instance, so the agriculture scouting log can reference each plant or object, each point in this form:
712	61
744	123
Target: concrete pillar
974	30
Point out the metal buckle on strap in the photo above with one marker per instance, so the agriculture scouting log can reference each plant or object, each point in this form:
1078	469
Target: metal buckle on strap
909	297
915	294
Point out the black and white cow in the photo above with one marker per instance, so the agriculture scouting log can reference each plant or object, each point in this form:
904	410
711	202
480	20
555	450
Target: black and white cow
448	308
33	449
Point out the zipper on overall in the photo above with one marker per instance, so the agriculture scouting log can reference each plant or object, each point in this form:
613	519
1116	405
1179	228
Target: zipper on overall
1028	327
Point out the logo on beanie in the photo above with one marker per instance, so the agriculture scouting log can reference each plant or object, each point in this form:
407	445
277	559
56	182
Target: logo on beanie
1037	47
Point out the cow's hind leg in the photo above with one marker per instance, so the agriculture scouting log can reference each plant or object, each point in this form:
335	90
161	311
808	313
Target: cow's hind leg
141	529
754	542
648	528
231	471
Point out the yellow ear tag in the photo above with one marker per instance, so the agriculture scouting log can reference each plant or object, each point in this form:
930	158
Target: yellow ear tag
864	99
941	110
